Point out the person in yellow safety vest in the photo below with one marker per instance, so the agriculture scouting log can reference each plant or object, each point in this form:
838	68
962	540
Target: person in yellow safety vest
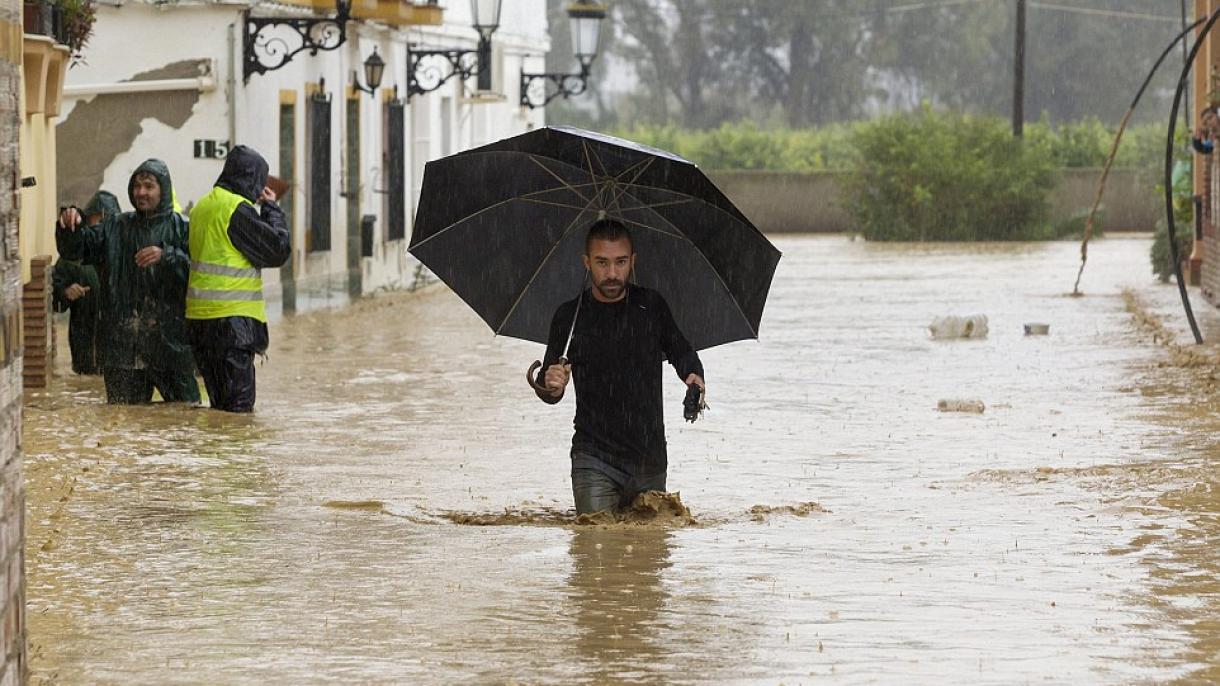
231	240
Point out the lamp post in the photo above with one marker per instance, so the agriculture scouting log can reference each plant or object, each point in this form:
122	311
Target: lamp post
1018	73
585	21
374	68
421	78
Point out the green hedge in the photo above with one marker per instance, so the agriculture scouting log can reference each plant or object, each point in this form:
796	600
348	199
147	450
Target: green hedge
928	175
744	145
948	177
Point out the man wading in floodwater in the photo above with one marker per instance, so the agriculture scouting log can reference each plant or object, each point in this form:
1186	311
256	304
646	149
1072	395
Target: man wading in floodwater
621	333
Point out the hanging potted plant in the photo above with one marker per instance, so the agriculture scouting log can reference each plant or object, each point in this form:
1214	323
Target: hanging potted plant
76	18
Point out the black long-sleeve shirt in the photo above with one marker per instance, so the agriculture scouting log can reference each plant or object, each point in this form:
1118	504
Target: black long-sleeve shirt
262	236
616	354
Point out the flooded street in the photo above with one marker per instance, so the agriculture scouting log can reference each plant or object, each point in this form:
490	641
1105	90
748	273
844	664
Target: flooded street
391	512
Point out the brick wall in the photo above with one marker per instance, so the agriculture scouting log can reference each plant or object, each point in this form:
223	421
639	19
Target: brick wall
13	667
1209	282
36	327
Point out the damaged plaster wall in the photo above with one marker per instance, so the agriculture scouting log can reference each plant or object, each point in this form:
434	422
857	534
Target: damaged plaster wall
98	131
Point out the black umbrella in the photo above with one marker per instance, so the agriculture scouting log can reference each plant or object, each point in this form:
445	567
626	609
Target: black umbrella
504	226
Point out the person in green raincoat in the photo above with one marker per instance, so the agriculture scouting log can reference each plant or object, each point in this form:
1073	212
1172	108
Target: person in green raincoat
75	289
143	265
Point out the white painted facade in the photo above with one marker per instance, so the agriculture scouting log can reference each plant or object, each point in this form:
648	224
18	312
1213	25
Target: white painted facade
135	37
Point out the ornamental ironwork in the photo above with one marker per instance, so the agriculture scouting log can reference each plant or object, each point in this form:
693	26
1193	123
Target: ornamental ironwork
535	86
428	70
271	42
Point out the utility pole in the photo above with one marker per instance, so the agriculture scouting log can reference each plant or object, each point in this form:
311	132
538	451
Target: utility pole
1018	74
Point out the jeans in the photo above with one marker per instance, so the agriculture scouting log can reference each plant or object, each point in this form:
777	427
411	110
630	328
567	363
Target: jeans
597	487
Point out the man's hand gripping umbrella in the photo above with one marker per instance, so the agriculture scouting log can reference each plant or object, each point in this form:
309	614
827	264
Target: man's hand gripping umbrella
557	376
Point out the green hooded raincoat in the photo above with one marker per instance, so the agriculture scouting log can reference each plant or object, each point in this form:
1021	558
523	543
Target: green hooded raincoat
83	320
143	310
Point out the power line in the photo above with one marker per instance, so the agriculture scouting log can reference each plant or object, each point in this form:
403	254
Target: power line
1118	14
664	8
923	6
667	10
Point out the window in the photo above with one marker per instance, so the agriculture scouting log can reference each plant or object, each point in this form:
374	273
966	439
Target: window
319	172
288	149
395	171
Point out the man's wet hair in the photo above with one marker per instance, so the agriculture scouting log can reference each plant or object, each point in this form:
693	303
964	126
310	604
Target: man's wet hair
608	230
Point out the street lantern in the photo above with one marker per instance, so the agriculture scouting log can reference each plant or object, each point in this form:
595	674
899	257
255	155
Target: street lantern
374	68
585	21
485	17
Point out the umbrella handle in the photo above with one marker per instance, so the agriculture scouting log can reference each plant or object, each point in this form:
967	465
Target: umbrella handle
532	374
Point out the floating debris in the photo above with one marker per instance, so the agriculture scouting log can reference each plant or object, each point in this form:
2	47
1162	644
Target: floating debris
761	513
958	405
366	505
952	326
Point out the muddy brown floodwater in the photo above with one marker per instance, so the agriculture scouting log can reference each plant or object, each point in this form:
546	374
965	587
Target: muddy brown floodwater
398	510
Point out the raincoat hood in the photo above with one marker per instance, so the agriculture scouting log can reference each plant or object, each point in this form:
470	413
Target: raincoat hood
161	171
103	203
245	173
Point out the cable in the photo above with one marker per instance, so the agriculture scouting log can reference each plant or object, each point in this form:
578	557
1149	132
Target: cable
1122	126
1118	14
672	12
1173	124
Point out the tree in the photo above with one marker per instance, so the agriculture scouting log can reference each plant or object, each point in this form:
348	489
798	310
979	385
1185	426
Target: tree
698	63
809	59
1080	61
679	53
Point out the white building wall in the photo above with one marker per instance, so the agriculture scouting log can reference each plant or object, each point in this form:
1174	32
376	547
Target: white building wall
170	33
111	60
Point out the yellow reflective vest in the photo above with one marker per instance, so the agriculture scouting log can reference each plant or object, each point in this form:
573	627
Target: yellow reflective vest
223	283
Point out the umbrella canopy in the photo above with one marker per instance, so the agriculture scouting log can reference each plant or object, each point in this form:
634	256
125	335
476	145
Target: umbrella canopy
504	226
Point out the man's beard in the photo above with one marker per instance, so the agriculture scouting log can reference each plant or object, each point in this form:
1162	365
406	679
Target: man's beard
605	287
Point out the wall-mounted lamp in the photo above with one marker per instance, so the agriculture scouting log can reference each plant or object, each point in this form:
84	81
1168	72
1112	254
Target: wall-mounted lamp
269	43
428	69
585	20
374	67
